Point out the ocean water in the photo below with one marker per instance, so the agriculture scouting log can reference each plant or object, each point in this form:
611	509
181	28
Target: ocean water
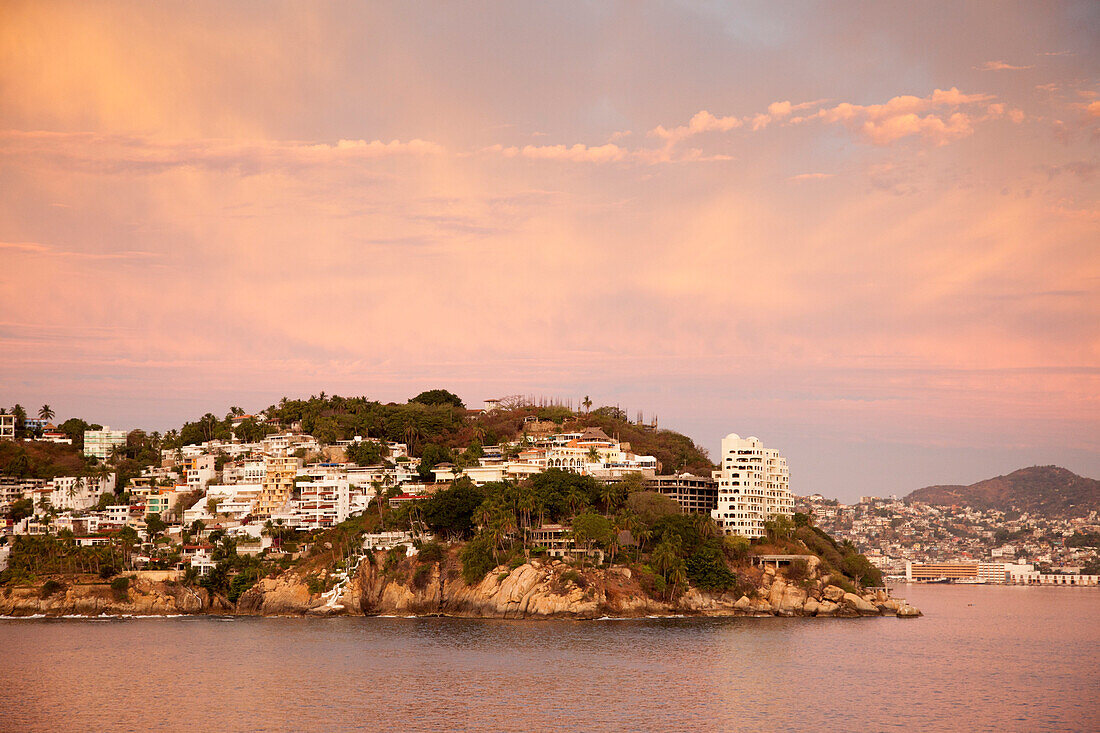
982	658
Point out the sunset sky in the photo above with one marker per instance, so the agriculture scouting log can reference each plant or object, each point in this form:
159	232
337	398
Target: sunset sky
868	233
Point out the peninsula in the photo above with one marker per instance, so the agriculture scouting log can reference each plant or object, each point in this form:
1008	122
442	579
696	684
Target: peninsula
329	506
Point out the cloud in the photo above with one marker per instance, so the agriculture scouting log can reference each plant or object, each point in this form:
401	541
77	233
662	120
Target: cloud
578	153
1002	66
100	153
904	116
937	118
702	121
36	248
811	176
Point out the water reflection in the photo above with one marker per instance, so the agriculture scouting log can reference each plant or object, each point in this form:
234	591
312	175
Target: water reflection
1017	659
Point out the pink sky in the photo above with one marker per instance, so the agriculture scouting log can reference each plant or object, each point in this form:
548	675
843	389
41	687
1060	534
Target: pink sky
867	233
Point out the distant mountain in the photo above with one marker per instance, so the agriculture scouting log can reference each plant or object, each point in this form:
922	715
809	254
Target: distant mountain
1047	490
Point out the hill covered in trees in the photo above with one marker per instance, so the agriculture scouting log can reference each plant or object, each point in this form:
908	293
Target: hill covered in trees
436	425
1047	490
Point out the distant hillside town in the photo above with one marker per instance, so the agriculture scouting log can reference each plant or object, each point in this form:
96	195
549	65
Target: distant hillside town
925	541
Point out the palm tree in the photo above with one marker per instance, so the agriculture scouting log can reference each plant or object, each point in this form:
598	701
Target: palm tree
412	435
377	486
609	492
45	412
587	402
576	499
20	417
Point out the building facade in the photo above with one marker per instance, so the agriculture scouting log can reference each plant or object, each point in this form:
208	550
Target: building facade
694	494
753	484
278	484
100	443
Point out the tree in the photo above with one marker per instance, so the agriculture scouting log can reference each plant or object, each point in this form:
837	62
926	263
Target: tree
706	568
779	526
587	402
45	412
364	453
20	420
451	512
154	524
803	520
439	397
20	510
591	529
74	430
433	455
649	506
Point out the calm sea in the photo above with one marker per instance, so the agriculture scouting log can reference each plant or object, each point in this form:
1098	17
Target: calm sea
983	658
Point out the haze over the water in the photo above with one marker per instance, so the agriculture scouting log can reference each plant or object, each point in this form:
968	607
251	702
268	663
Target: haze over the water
869	237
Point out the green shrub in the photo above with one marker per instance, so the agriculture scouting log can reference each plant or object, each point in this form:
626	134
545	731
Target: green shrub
502	576
654	585
706	568
572	576
516	562
50	587
797	570
477	559
393	558
120	587
421	577
315	584
430	552
241	583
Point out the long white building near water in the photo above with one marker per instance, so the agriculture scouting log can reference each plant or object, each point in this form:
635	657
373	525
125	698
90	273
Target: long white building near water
753	484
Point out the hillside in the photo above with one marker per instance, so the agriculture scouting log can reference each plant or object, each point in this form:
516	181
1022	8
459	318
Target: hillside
40	460
1047	490
438	418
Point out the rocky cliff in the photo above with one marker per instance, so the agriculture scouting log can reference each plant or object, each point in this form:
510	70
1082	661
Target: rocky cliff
554	589
534	590
142	598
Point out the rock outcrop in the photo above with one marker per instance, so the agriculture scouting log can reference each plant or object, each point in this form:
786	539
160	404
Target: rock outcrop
535	589
142	598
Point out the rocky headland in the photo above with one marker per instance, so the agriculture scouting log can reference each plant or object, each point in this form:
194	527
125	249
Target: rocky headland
537	589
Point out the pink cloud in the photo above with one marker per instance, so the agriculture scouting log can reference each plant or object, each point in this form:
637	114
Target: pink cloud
116	153
880	124
43	250
1002	66
811	176
577	153
701	121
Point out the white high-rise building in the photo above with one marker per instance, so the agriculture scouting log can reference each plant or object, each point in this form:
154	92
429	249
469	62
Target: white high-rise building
100	443
753	484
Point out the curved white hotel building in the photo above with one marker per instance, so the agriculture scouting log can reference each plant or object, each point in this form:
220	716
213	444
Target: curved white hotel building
753	484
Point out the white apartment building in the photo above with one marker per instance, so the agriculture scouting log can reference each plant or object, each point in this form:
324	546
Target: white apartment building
100	443
753	484
79	492
324	502
7	427
246	472
199	471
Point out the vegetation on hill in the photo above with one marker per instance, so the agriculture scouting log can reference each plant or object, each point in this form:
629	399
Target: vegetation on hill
42	460
1047	490
435	423
667	549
